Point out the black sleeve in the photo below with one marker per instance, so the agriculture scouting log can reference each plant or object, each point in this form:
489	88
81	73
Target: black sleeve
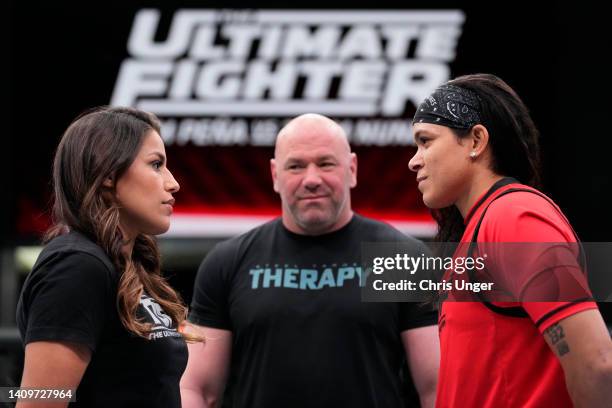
67	299
414	315
209	305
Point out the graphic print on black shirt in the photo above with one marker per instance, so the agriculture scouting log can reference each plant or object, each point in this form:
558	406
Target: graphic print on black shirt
152	312
301	335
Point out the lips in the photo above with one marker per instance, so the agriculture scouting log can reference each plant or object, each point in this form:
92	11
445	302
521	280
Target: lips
169	202
420	178
313	201
312	198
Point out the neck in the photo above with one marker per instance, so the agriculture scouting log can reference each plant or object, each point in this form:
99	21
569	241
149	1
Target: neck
479	185
127	248
127	242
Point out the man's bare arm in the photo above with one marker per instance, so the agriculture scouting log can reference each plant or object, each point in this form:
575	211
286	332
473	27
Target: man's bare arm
203	382
422	346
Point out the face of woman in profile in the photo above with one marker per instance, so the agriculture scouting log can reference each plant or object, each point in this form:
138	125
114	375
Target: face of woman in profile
441	164
144	191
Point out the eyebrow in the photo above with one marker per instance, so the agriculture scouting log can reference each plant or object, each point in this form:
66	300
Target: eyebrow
159	155
317	159
327	157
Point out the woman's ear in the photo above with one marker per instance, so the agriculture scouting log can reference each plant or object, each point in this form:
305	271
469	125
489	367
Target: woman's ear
108	182
107	191
480	140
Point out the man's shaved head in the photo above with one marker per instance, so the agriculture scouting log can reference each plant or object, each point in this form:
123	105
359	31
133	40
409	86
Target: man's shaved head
311	123
313	171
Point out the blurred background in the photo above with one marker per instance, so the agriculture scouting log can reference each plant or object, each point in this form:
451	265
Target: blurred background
223	79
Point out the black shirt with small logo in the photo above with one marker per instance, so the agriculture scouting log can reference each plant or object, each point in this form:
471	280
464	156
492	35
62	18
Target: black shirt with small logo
71	296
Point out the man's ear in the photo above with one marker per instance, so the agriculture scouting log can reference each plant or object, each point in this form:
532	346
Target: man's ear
274	175
480	139
353	169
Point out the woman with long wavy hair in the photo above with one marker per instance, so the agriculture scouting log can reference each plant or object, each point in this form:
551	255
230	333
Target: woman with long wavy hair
477	166
95	313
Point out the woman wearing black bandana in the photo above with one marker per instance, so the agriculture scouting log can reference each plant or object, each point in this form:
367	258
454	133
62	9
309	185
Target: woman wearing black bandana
477	166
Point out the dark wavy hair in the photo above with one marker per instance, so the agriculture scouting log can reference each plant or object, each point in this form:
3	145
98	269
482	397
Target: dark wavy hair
100	144
513	140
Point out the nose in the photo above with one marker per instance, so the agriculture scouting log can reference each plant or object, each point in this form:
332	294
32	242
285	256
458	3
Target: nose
170	184
312	178
416	163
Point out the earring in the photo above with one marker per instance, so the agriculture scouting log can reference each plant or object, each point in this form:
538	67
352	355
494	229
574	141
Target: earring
473	155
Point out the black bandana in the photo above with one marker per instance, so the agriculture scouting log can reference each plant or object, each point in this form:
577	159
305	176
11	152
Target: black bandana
450	106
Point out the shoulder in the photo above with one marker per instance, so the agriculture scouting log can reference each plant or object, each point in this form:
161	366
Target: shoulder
65	274
527	216
70	276
75	256
527	199
228	252
69	294
73	245
246	240
375	230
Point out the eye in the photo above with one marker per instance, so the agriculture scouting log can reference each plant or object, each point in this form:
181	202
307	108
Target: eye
327	164
423	140
157	164
294	167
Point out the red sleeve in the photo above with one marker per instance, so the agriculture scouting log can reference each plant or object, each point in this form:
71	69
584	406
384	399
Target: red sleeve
545	314
537	224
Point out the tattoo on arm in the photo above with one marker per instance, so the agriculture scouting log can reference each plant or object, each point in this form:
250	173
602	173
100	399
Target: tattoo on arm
557	338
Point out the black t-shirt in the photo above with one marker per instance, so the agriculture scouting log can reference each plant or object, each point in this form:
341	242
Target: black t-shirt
301	335
71	295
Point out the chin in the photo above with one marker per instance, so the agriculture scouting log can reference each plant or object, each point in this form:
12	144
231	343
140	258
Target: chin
434	203
314	221
157	229
428	202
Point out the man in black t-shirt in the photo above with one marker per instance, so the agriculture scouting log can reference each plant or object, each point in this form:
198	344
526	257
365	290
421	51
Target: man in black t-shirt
281	306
